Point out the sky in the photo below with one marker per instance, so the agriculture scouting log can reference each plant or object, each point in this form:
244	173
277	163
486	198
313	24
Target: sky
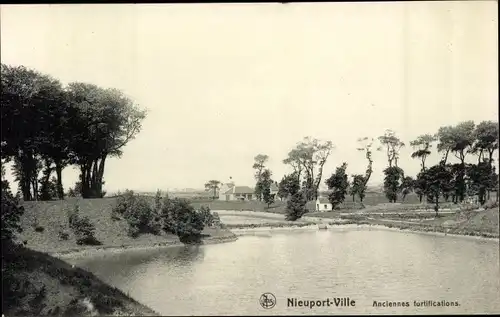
225	82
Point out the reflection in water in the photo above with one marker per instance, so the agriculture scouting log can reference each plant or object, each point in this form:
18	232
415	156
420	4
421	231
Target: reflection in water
365	265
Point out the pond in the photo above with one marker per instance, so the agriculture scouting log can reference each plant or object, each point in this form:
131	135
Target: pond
365	267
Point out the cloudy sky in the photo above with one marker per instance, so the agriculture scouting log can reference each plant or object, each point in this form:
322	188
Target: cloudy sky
224	82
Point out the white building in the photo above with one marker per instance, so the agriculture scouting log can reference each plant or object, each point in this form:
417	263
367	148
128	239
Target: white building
323	205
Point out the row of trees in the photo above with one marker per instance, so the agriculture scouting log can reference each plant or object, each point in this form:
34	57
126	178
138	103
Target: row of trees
47	126
444	180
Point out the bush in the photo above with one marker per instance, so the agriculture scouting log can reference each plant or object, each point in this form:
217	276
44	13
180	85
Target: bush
39	229
206	215
139	214
82	228
181	219
296	207
11	213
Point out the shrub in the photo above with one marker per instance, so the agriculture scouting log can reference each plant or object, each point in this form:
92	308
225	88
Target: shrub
39	229
181	219
138	213
11	213
206	215
83	229
296	207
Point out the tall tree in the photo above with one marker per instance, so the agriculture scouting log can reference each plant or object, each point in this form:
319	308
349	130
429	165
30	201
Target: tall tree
213	186
362	181
407	186
393	176
422	145
446	142
486	135
288	186
30	101
310	156
358	187
392	145
338	183
438	179
265	184
259	165
463	138
106	121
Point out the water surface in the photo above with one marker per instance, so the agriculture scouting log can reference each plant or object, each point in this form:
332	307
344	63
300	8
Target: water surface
365	265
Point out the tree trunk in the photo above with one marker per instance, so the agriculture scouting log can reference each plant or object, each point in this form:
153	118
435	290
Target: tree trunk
318	180
436	207
59	186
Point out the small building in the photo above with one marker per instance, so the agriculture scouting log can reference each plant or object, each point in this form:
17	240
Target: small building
238	193
323	205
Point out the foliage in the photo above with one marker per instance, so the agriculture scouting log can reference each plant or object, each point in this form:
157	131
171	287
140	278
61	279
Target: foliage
138	213
392	144
358	186
288	186
422	146
480	179
296	206
407	186
309	156
81	124
181	219
206	215
213	186
392	179
83	229
259	166
11	213
438	179
264	184
339	184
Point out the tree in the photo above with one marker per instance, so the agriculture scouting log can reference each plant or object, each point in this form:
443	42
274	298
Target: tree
105	121
32	111
407	186
11	213
310	156
462	138
288	186
213	185
486	135
419	186
422	146
437	179
359	186
393	175
392	144
259	165
338	183
365	146
296	206
480	180
265	183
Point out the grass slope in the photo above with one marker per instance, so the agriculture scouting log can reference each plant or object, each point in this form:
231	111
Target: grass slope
44	285
52	217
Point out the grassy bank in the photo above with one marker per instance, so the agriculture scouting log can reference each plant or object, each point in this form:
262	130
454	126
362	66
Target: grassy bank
43	222
42	284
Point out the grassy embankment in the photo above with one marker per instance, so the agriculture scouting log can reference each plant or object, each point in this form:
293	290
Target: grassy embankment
47	285
410	215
